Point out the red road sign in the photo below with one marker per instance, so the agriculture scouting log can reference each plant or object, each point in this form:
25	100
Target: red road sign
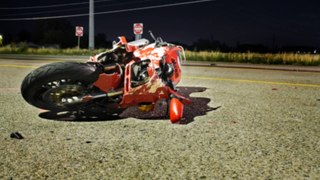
79	31
138	28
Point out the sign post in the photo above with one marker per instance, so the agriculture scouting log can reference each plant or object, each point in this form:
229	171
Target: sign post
79	33
138	30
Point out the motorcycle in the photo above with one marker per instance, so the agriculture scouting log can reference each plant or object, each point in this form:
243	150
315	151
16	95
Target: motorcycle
136	73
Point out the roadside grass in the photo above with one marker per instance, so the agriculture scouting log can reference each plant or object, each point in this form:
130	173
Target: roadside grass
211	56
22	48
256	58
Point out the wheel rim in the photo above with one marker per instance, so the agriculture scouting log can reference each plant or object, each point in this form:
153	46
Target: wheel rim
62	93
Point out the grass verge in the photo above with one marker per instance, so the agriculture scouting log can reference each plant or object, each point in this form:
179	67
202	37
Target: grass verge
256	58
212	56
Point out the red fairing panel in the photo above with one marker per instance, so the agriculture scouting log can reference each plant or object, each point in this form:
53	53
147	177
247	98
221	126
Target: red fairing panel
107	82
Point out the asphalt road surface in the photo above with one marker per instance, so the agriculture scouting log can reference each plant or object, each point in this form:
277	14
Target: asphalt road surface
243	124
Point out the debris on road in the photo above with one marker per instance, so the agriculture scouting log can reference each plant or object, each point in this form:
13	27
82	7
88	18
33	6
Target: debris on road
16	135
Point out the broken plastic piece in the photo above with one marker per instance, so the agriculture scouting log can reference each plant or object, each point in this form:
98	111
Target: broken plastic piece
16	135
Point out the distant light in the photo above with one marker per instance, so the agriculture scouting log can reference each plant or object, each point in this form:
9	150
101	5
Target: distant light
315	52
1	39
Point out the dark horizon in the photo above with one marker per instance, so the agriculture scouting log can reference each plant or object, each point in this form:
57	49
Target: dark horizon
268	23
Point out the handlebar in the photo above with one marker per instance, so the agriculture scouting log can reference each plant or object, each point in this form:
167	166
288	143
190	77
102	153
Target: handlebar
151	34
158	41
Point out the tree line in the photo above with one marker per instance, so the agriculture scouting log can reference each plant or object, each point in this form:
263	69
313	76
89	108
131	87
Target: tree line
57	33
60	33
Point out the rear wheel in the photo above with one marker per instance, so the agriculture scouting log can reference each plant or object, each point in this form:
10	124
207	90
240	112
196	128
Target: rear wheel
59	86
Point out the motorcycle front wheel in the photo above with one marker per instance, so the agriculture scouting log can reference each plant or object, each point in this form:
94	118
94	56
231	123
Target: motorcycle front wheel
59	86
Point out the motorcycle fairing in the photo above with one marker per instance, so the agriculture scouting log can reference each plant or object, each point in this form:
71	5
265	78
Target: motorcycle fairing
107	82
149	92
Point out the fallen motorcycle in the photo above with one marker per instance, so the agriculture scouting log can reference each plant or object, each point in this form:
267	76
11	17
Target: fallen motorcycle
136	73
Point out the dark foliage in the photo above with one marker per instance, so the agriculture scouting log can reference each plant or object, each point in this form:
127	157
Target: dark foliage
61	33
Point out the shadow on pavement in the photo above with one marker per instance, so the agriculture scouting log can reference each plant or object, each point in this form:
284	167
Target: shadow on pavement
199	107
74	116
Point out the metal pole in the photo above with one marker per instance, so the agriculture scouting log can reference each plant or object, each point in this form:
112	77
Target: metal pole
91	24
78	42
138	36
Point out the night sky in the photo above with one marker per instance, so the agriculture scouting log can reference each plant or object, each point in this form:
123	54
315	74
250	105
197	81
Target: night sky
283	22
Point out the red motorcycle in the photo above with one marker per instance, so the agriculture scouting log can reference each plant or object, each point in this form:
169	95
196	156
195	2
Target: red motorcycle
136	73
